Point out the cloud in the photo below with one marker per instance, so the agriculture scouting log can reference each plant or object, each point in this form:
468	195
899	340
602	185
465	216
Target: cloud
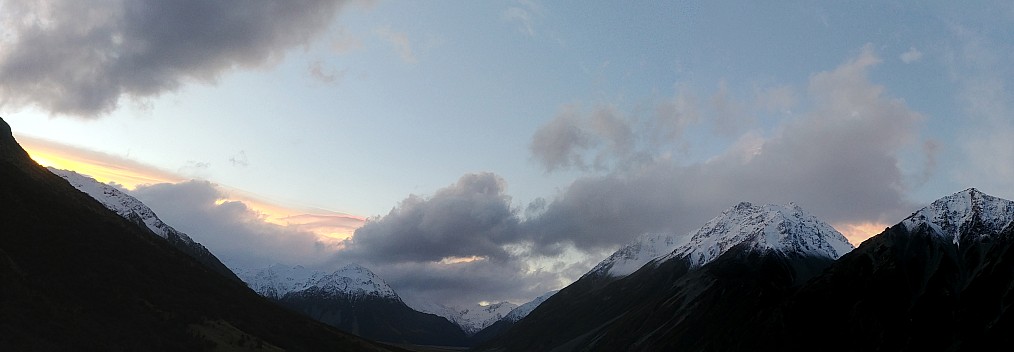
400	43
460	246
776	99
236	233
559	143
195	169
839	159
101	166
473	217
81	58
344	42
239	159
334	225
602	139
524	13
323	75
466	284
979	67
728	116
910	56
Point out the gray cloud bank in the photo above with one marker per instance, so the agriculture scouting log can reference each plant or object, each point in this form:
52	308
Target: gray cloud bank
238	235
839	158
81	57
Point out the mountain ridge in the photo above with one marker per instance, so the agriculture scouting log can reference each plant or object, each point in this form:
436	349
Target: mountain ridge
77	276
951	215
134	210
744	258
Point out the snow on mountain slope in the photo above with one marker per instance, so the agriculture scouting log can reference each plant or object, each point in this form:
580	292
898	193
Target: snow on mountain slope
786	229
523	310
470	319
277	280
631	257
948	215
121	203
353	280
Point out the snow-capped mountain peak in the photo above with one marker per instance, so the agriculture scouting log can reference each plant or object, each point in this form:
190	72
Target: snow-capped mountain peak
950	214
277	280
631	257
787	229
470	319
356	280
121	203
353	280
524	309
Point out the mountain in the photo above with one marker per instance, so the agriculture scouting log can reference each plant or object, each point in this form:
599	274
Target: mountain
356	282
277	280
495	329
966	216
523	310
132	209
632	256
471	319
76	276
737	265
356	300
939	280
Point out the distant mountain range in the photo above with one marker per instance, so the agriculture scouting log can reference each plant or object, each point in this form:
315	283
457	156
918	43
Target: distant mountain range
84	266
773	278
471	319
355	299
327	297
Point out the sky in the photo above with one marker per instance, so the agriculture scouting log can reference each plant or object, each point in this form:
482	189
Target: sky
480	151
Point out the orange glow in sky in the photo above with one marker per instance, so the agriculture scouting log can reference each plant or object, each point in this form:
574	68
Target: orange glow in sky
856	233
102	167
457	260
324	223
330	225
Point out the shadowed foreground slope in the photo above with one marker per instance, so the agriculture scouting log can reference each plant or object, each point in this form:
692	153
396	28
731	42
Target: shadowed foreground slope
75	276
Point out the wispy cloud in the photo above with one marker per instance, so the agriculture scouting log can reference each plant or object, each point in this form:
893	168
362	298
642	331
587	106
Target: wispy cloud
979	67
524	13
239	159
399	41
324	75
242	228
101	166
910	56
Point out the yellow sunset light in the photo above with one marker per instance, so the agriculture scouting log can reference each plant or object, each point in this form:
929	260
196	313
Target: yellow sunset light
858	232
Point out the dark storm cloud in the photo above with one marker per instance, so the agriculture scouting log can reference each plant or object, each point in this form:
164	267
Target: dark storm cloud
82	57
459	246
473	217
